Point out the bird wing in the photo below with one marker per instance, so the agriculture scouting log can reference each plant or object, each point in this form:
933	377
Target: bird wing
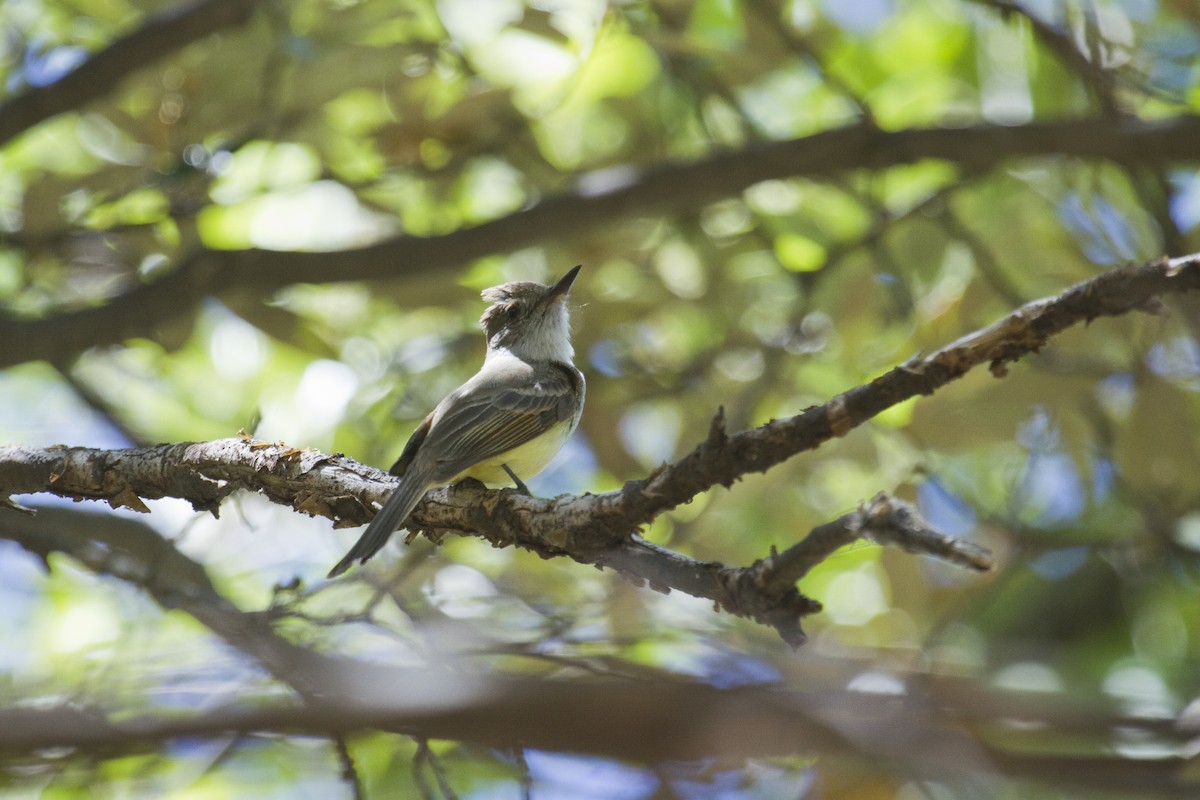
410	449
494	412
489	417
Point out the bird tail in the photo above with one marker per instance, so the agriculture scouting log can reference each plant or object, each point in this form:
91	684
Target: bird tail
395	510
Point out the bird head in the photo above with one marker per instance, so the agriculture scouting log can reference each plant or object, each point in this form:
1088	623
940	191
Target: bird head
530	320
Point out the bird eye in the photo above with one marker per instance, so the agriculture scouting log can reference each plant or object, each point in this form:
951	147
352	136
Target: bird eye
512	313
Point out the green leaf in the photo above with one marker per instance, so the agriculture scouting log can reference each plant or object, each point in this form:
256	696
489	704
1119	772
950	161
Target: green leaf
799	253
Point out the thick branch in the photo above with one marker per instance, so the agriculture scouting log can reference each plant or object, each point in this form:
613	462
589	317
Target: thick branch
677	186
597	529
339	488
202	473
160	35
343	490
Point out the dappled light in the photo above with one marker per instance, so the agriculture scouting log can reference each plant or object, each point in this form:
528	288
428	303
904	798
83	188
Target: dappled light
886	481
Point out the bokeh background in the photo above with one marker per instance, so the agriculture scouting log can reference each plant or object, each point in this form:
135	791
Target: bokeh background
132	228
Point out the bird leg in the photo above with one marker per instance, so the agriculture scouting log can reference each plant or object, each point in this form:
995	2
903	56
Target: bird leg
520	484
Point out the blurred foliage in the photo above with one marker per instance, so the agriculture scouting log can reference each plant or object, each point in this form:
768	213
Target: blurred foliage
322	125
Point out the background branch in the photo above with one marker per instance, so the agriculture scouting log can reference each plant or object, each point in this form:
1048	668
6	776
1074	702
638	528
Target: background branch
135	553
646	721
1101	83
159	36
651	721
138	312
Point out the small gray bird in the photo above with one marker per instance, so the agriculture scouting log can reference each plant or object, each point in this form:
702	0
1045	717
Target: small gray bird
505	423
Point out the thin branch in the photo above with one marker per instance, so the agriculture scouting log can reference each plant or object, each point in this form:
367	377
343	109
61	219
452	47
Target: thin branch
1100	83
524	773
131	551
59	336
427	760
159	36
884	519
723	459
349	768
776	18
598	529
97	403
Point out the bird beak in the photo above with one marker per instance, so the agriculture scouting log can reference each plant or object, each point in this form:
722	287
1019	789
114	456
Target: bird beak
559	290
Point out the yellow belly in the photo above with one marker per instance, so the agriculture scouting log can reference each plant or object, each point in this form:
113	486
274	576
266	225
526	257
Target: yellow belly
525	461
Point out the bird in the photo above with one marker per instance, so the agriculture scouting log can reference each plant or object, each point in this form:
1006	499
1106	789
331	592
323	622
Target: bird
506	422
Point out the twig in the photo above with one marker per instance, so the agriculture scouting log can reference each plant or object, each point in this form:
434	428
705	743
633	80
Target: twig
349	770
524	773
885	519
428	760
1100	83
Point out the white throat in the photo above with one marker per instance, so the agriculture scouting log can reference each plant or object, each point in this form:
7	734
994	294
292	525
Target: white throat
545	338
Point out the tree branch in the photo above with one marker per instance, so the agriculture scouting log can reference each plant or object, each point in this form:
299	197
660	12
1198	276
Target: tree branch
344	490
722	459
667	718
206	272
647	720
159	36
598	529
133	552
1099	82
884	519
